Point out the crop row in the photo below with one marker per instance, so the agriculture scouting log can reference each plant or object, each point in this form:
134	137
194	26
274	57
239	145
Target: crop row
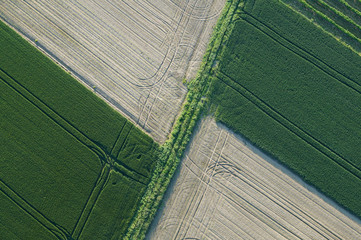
333	20
337	16
295	28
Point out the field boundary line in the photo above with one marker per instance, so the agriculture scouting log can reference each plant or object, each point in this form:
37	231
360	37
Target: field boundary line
304	54
24	205
103	156
172	150
353	4
293	128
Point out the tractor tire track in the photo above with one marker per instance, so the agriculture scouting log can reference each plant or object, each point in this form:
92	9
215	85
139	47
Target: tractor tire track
53	115
58	231
303	53
91	201
251	196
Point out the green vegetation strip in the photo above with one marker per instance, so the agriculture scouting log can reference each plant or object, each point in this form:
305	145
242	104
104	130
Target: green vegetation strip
292	99
172	151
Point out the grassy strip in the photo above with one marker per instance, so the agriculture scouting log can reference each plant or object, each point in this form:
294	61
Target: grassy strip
324	16
295	111
356	4
172	151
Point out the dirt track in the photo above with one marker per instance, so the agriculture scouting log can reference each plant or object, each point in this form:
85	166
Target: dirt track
227	189
132	53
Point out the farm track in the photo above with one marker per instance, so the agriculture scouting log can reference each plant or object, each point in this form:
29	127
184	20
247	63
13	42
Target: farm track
227	189
58	231
158	43
347	10
354	4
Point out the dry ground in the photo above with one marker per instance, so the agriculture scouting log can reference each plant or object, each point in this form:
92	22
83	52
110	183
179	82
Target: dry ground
227	189
132	53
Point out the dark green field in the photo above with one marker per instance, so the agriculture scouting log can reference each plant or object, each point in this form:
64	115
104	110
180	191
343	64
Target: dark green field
294	91
70	166
341	18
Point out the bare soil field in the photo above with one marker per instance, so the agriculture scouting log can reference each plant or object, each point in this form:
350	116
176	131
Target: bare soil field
134	54
227	189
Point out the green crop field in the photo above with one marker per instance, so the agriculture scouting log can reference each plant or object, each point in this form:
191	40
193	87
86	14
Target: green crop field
73	168
340	18
70	166
295	91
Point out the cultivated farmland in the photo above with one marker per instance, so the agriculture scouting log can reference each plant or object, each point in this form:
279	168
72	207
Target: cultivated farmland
134	54
268	74
227	189
289	93
341	18
67	158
